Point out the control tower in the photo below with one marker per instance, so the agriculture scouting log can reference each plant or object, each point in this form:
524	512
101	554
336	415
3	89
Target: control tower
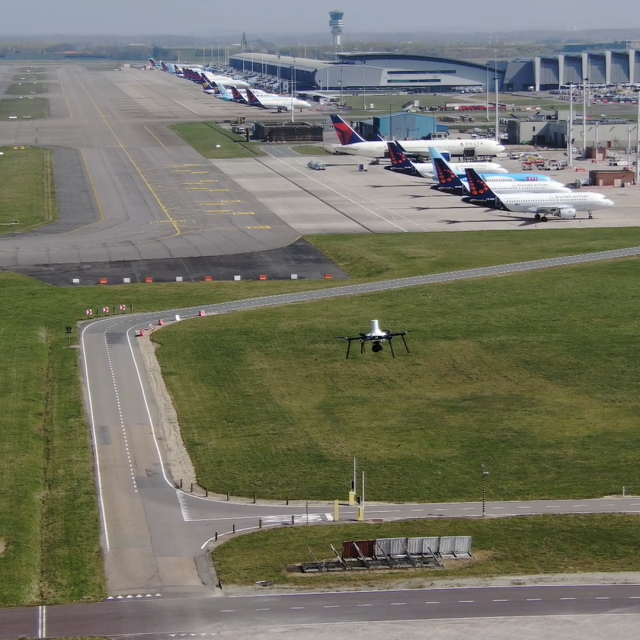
336	23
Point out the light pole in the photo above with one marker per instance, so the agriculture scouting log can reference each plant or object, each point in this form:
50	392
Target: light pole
487	92
570	129
584	117
390	123
364	95
638	143
497	109
292	89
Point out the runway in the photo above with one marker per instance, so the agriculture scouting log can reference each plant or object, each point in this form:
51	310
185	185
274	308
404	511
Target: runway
147	194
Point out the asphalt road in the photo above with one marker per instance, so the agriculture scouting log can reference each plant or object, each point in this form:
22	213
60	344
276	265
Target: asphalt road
155	537
161	618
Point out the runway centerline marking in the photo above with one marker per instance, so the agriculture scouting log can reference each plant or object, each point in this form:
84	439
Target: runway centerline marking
115	135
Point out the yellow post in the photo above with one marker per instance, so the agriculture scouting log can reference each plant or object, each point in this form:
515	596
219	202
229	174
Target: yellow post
336	511
360	514
352	498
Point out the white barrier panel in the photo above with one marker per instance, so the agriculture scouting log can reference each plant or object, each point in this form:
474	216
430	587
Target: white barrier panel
463	545
177	318
422	546
76	281
178	278
126	280
294	276
236	278
447	546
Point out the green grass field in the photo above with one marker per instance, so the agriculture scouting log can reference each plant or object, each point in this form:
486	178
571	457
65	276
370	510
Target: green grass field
26	88
533	376
48	516
311	150
205	137
401	255
24	107
513	546
27	197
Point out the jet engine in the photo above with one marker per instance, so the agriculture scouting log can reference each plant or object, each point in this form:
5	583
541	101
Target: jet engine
567	214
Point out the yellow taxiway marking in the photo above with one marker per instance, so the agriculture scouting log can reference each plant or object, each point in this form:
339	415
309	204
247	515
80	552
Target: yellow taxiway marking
197	189
137	168
221	203
203	181
218	190
200	173
167	221
155	137
191	165
220	211
257	228
245	213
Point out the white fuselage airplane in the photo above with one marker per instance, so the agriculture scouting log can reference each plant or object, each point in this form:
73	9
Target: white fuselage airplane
226	80
561	205
351	142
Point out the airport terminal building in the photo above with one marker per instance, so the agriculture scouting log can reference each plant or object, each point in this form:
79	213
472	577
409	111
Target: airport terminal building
378	72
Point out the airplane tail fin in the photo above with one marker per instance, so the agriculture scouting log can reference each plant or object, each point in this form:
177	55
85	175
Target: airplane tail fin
346	134
237	96
164	66
398	158
253	101
478	188
152	62
444	173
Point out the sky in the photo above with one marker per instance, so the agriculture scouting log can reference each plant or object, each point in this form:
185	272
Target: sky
257	17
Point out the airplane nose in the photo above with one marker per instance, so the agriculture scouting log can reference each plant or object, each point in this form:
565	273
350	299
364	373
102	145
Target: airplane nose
501	147
608	202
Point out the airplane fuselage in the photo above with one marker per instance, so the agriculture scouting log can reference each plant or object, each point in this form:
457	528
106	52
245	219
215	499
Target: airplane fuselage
378	149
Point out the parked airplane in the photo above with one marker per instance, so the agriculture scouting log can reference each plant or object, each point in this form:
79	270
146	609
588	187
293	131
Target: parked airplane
206	76
281	103
402	164
451	182
152	63
351	142
541	205
377	336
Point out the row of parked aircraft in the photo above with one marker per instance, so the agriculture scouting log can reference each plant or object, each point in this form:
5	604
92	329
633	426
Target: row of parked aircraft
484	184
232	89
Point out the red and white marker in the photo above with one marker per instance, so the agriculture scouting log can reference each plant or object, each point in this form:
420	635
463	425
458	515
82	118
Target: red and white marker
105	309
123	307
89	312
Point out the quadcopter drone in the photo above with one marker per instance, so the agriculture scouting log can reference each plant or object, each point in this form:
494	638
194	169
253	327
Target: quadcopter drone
377	336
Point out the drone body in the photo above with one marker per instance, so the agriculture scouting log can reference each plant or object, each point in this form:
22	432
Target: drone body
377	337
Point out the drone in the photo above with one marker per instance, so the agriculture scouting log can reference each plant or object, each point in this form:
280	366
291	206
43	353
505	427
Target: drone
378	336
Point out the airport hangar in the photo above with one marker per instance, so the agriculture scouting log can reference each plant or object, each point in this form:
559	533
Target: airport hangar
392	72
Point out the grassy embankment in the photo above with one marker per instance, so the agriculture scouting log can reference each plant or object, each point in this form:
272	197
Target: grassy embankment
48	513
26	88
24	107
515	546
532	375
217	143
23	208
